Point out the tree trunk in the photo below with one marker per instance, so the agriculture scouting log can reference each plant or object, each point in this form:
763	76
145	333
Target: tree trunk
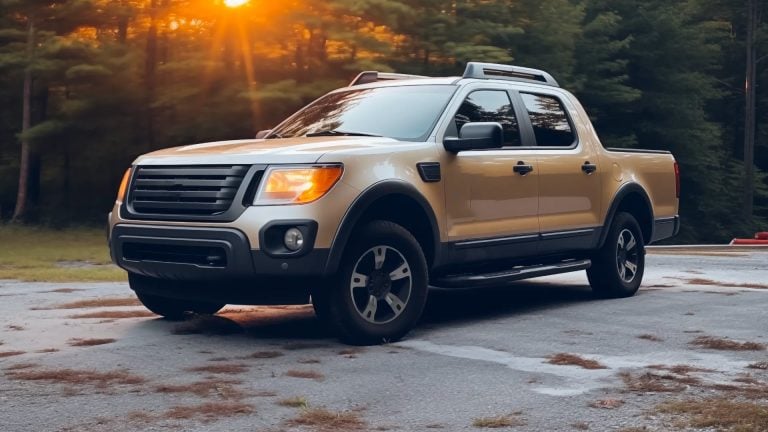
749	114
26	122
150	75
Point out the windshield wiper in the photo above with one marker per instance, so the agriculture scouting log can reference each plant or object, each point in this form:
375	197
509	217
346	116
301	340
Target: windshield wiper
337	132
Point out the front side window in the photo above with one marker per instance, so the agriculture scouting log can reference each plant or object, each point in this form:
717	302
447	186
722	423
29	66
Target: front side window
490	106
549	120
406	113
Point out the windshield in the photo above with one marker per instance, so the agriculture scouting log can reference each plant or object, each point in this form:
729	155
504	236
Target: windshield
406	113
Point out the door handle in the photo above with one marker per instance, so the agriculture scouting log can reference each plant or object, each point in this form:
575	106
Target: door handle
588	167
522	168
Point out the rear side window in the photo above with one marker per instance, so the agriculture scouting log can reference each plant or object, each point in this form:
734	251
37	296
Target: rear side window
549	120
490	106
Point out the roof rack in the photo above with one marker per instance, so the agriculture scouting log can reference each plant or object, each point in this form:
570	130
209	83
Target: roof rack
368	77
510	73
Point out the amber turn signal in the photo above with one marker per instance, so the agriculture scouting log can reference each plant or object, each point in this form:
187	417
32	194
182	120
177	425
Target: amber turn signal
297	185
123	185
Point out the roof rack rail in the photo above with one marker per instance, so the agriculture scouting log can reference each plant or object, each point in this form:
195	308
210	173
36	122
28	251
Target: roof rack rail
510	73
368	77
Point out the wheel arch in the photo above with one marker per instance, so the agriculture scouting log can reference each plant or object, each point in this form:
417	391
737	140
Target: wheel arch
395	201
633	199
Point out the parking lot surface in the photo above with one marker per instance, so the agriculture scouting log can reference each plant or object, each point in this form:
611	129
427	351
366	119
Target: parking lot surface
541	355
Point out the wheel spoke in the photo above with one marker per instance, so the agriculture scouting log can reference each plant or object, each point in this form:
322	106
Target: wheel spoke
622	272
631	267
379	255
395	303
359	280
401	272
621	240
631	243
370	310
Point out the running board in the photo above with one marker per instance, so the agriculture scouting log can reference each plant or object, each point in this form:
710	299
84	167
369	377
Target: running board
503	277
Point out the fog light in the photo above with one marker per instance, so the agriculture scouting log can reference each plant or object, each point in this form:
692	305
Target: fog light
294	239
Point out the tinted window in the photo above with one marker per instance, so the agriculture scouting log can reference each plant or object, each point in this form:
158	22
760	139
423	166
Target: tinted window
549	121
490	106
405	113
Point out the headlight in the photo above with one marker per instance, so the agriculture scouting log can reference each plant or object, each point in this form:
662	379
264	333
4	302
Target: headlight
123	186
296	185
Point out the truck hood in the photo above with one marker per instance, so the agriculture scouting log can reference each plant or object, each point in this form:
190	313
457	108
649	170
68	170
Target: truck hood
259	151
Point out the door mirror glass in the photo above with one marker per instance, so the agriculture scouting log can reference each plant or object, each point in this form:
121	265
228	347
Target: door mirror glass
476	136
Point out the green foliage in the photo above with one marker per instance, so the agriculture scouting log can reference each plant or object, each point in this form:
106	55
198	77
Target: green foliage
117	78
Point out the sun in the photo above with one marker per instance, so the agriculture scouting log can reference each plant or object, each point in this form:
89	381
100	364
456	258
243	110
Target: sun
234	3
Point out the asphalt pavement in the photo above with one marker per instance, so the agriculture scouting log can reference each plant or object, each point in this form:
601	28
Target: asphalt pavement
85	357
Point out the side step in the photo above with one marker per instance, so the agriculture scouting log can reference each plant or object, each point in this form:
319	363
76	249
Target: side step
471	280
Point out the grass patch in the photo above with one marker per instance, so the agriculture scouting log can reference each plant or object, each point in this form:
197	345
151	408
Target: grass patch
759	365
229	369
720	414
95	303
680	369
115	314
294	402
220	388
582	426
208	411
306	374
657	383
35	254
264	355
496	422
78	377
724	344
4	354
565	359
89	342
607	403
323	419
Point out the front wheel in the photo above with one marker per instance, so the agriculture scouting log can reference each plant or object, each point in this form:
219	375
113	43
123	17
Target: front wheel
381	288
170	308
618	267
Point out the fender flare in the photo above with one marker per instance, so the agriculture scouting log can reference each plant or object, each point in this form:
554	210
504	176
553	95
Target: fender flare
618	197
363	202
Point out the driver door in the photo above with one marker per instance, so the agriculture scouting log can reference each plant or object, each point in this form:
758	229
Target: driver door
492	197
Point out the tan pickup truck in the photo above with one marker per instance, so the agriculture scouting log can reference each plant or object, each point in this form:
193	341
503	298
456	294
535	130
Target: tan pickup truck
374	192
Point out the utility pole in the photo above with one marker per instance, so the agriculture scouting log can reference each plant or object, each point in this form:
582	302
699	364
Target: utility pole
753	16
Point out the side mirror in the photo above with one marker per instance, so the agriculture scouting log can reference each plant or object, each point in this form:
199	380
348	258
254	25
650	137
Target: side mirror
476	136
263	133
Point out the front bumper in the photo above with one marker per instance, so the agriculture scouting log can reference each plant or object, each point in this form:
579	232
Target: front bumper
204	254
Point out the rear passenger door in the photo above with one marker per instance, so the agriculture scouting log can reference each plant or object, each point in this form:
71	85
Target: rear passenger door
569	174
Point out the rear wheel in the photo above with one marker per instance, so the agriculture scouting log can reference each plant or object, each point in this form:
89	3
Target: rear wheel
617	269
380	290
170	308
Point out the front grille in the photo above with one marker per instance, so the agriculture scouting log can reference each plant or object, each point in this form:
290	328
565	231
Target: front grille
185	190
175	254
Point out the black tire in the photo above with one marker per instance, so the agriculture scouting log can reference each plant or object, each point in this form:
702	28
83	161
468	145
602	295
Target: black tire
170	308
618	267
377	251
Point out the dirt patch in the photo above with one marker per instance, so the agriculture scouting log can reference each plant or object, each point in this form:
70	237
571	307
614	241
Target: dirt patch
19	366
306	374
94	303
650	337
224	389
4	354
89	342
496	422
303	346
721	414
47	350
710	282
724	344
607	403
309	361
209	411
294	402
264	393
14	327
229	369
759	365
564	359
324	420
351	352
208	324
78	377
63	290
264	355
115	314
582	426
